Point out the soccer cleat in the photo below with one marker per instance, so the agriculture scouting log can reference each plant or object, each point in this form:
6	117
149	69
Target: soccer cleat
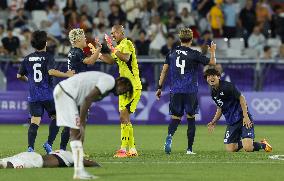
30	149
168	144
132	153
83	175
188	152
120	154
268	147
47	147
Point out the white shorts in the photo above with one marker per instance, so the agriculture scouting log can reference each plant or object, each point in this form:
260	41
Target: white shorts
25	160
67	113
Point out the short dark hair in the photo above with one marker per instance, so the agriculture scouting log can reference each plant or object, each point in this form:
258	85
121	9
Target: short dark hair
266	48
128	83
39	39
211	71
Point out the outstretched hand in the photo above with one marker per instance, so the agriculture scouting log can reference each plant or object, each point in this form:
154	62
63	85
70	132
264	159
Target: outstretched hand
212	47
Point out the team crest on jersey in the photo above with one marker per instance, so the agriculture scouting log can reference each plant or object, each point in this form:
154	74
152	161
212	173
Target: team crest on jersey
181	52
222	93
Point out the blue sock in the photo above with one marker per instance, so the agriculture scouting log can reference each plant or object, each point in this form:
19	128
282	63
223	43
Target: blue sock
190	132
258	146
173	126
240	145
53	131
32	133
65	135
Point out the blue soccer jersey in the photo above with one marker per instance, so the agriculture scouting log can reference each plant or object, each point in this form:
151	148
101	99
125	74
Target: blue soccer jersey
227	97
76	57
183	69
36	66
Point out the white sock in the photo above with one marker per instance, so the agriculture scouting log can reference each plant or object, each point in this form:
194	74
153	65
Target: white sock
4	163
78	153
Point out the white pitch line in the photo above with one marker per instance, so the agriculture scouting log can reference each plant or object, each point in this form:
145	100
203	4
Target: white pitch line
151	162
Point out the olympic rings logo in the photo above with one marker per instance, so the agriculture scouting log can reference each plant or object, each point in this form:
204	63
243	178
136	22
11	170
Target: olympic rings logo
266	105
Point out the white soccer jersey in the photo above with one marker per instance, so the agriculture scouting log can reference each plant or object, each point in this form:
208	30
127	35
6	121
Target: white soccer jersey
66	156
25	160
70	93
80	85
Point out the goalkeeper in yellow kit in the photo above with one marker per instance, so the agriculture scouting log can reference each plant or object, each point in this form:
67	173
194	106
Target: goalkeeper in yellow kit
124	55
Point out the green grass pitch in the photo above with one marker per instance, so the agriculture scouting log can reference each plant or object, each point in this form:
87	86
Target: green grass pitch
211	162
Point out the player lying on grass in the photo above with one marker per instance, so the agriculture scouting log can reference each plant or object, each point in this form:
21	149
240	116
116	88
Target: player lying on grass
59	158
73	97
232	104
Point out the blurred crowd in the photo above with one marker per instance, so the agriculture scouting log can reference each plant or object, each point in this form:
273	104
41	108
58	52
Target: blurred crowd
151	24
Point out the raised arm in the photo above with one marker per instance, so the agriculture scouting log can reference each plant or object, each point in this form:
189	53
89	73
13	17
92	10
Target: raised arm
212	49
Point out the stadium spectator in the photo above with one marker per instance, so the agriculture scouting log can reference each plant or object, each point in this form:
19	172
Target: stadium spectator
278	21
67	11
20	20
11	43
256	39
116	16
84	10
25	44
131	8
216	19
145	14
247	20
64	47
157	32
187	18
2	32
230	14
203	8
263	16
168	46
100	18
74	21
100	31
205	41
31	5
52	45
85	23
13	6
142	44
55	22
267	52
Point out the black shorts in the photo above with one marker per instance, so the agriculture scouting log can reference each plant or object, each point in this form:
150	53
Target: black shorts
236	132
37	108
181	103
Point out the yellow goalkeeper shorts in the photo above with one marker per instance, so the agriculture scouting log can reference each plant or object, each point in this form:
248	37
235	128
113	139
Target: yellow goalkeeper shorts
129	103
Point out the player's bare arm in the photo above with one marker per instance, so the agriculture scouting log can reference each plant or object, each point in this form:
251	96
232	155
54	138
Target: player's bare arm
57	73
211	125
122	56
162	80
107	59
95	53
246	120
22	77
212	50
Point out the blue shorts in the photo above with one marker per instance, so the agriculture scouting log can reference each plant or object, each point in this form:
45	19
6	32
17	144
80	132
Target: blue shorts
181	102
37	108
236	132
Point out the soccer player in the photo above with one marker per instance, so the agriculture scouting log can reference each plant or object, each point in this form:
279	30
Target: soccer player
73	97
58	158
182	62
37	69
77	60
232	104
123	54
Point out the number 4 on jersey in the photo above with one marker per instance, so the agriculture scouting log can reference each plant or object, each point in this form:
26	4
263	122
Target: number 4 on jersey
181	66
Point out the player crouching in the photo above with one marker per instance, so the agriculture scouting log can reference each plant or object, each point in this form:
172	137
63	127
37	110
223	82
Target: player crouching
232	104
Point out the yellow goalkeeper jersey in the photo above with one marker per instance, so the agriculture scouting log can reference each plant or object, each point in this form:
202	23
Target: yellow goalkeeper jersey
128	69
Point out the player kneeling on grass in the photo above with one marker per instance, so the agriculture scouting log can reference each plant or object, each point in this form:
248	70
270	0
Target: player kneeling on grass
73	97
232	104
59	158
